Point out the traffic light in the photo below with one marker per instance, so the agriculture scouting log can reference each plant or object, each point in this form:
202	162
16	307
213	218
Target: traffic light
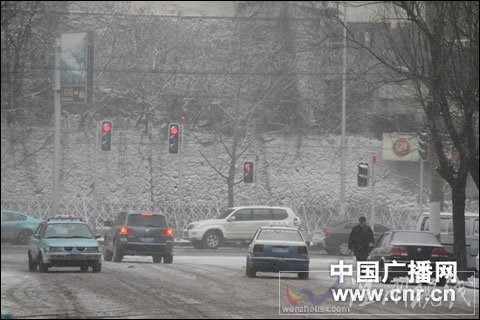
362	176
106	135
248	172
173	137
423	145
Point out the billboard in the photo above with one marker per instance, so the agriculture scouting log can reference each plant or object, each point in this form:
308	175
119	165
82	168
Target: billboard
400	147
73	75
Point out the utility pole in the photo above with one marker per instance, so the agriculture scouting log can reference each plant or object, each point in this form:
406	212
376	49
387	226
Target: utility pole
344	102
56	152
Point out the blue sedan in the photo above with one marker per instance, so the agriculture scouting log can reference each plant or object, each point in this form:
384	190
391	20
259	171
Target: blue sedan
18	226
275	249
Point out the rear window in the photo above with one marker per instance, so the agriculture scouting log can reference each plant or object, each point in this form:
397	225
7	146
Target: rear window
415	238
138	220
279	214
280	235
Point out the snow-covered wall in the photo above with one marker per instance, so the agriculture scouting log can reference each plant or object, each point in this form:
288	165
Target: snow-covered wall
139	168
290	171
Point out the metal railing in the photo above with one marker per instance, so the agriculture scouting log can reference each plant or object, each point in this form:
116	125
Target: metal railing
313	215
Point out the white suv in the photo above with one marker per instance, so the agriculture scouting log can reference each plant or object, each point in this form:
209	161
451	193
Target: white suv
237	224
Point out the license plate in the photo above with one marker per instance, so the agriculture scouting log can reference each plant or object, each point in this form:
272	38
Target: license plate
279	250
146	239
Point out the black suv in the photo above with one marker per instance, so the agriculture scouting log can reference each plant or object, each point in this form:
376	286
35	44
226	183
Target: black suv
142	234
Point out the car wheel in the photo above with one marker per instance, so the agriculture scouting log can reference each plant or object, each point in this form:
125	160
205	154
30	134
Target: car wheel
97	267
23	237
197	244
250	270
41	266
212	239
157	259
32	266
304	275
107	254
117	255
168	258
343	249
84	268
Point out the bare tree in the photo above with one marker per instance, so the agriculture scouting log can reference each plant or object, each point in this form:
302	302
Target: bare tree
435	46
27	29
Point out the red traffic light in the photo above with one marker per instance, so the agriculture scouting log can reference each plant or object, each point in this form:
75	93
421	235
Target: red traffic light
107	127
248	167
174	130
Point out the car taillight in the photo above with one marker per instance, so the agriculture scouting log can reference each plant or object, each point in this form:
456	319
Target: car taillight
126	230
302	250
440	252
258	248
167	232
398	251
327	232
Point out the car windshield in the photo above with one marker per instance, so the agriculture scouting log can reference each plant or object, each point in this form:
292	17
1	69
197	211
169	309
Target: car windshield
68	230
415	238
142	220
225	214
280	235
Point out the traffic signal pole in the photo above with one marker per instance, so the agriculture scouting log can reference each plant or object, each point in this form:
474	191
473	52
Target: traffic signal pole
180	172
95	164
420	195
374	161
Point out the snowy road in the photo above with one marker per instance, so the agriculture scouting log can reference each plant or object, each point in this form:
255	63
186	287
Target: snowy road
199	284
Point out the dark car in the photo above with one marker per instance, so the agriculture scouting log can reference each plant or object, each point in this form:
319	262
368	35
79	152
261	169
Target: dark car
336	236
404	246
139	233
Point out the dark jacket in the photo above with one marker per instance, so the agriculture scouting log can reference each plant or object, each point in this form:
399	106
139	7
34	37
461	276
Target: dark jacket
360	239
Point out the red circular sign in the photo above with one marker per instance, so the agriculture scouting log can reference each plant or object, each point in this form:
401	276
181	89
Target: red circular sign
401	147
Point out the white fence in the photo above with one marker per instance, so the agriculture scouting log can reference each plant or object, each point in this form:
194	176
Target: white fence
312	214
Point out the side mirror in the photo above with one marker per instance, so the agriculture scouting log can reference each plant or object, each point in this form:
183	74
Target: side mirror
231	219
98	236
107	223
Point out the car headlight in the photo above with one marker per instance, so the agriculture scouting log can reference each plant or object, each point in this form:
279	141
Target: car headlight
92	249
195	226
55	249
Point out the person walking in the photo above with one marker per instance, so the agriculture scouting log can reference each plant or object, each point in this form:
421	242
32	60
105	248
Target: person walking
361	240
